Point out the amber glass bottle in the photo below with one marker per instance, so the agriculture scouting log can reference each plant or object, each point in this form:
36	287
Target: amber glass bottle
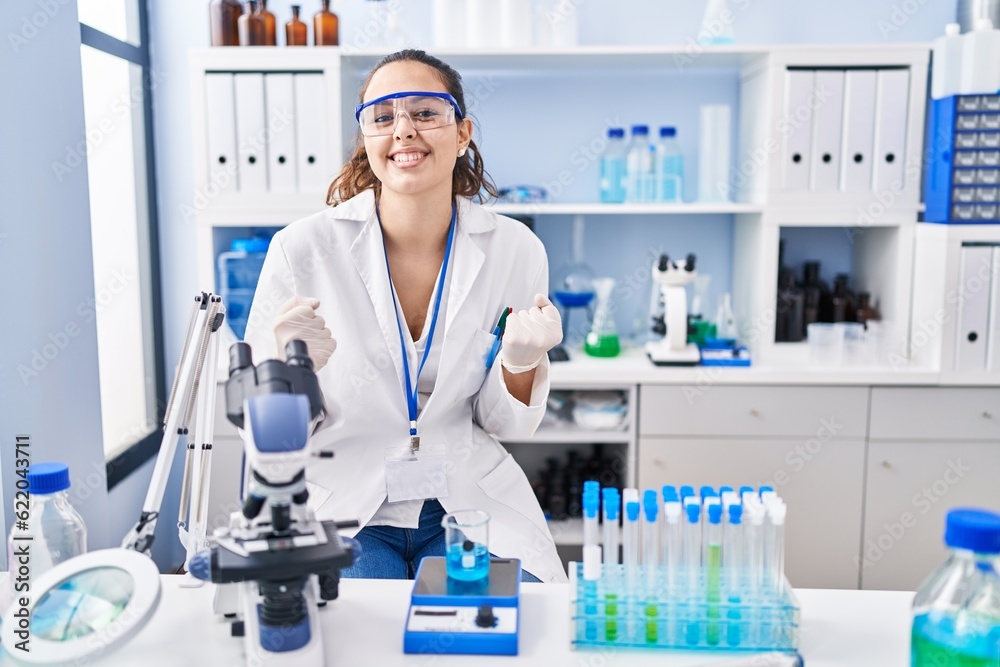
325	29
270	25
223	17
252	27
295	30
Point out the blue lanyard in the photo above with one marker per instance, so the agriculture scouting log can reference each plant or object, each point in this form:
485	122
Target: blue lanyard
410	389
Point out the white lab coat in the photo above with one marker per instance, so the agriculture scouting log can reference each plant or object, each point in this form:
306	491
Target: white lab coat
337	256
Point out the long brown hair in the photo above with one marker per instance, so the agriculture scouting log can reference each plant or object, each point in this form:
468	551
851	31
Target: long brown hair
469	179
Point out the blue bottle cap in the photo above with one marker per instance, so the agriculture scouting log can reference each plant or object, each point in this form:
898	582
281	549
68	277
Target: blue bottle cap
686	491
724	489
650	509
693	512
715	513
591	486
616	133
613	510
649	497
666	132
707	492
735	514
591	504
745	489
765	489
670	494
973	529
46	478
632	510
640	130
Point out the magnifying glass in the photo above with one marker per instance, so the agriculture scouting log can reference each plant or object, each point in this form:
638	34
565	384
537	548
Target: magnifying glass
82	608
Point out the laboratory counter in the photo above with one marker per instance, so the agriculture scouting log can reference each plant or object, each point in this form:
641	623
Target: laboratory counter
840	628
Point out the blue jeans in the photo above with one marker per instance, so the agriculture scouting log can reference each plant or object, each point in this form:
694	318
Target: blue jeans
395	553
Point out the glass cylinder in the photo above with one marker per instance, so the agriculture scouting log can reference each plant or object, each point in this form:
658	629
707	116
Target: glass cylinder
466	538
270	25
325	27
296	33
223	20
251	27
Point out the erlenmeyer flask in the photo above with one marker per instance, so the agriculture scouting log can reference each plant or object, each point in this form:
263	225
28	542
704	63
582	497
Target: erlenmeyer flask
602	341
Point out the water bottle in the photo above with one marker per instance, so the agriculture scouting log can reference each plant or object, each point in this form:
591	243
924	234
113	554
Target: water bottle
56	530
669	167
640	185
614	167
956	612
239	270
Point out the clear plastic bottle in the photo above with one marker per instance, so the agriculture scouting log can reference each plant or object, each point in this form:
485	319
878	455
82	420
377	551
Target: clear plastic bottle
956	612
56	530
669	167
640	186
946	75
981	59
614	167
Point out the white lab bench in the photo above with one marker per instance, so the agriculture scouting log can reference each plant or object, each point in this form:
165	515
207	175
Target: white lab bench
364	626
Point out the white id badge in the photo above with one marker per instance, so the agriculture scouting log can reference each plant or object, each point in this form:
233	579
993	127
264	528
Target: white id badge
415	475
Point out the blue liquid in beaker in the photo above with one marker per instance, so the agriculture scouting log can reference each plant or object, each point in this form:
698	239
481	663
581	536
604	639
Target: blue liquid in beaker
467	564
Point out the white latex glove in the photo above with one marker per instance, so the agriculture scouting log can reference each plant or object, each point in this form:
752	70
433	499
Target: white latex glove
297	318
529	334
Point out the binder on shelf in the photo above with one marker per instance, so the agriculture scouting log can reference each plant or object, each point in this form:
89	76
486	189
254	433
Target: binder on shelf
251	132
974	288
859	131
310	132
799	102
993	351
280	104
220	121
828	117
891	107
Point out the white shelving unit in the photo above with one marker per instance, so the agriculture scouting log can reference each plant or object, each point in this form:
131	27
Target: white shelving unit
882	250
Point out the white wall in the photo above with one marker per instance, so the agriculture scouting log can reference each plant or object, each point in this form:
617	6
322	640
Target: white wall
179	26
46	266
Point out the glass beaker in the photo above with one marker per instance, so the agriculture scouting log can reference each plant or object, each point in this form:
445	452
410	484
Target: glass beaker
602	341
466	539
574	289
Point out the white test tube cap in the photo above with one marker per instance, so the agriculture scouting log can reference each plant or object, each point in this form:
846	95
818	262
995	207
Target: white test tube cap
592	562
672	511
777	512
630	496
729	498
754	512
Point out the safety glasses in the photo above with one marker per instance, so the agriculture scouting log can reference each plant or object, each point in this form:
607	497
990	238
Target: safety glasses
424	110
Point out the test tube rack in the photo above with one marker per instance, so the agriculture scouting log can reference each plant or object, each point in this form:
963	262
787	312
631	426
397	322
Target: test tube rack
613	611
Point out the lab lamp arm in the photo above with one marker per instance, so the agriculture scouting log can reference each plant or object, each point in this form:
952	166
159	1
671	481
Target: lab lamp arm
193	391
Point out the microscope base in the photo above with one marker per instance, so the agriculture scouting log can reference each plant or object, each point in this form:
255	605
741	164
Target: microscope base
309	655
661	355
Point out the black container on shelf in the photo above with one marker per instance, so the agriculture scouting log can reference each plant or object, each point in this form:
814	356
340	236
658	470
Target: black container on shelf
789	324
842	300
816	306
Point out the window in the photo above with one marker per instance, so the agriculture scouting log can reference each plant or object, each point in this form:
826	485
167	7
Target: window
117	84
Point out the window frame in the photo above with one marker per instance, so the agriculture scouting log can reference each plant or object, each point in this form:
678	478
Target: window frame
119	467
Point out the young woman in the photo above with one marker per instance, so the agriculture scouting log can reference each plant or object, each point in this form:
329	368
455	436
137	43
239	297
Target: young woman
407	280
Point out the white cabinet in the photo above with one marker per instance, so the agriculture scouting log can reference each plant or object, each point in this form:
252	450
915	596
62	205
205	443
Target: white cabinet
806	442
931	449
821	482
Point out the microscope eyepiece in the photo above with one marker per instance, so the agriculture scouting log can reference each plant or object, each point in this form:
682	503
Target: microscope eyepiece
664	263
240	357
689	266
297	354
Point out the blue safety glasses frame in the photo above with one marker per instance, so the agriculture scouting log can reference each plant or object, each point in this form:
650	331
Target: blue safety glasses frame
410	93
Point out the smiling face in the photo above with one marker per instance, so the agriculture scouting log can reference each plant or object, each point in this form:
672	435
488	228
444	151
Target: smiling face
409	161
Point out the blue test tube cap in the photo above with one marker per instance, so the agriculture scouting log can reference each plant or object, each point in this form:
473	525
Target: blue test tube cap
686	491
746	489
735	514
707	492
715	513
591	486
591	505
693	512
765	489
724	489
649	498
632	511
670	494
